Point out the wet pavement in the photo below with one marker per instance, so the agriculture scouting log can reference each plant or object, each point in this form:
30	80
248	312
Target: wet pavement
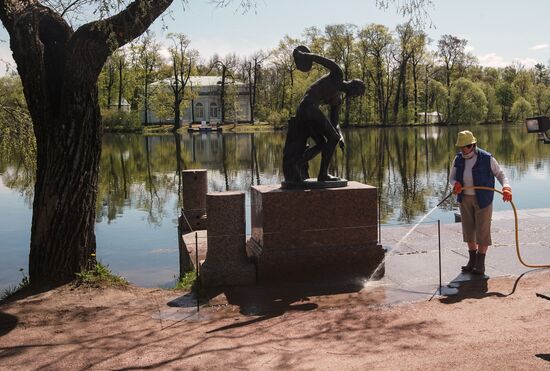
413	265
411	271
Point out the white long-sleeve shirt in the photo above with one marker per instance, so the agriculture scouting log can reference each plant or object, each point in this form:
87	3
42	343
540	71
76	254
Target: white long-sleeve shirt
469	179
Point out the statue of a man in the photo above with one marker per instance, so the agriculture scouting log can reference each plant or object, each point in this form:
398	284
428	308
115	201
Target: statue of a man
310	122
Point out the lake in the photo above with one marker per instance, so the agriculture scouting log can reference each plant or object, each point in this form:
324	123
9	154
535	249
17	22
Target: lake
138	202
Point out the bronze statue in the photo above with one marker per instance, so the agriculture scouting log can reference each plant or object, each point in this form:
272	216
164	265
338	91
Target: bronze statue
310	122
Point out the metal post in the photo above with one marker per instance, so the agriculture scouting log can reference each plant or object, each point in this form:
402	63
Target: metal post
439	247
379	227
197	282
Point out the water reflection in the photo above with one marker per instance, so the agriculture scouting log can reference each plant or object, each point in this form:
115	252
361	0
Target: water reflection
139	187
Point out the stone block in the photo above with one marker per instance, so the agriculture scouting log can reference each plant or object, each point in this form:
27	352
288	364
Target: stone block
226	261
195	187
318	232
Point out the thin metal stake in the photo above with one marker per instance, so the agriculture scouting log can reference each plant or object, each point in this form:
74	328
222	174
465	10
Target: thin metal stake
439	243
379	227
197	268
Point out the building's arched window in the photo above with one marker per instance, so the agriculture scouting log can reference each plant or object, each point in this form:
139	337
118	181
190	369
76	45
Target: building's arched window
213	110
199	111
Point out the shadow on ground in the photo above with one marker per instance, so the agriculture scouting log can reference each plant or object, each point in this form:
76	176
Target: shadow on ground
471	286
265	301
7	323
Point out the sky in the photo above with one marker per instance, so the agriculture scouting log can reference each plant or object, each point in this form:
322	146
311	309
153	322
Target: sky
499	32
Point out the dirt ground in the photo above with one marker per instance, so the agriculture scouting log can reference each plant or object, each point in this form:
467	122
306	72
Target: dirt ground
494	324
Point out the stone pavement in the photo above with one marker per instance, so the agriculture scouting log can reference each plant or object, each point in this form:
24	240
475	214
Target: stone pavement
412	264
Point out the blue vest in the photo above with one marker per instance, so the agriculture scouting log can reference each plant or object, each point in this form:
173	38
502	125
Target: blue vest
482	174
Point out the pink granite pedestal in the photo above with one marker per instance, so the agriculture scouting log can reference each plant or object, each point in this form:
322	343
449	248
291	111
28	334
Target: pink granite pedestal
301	234
226	261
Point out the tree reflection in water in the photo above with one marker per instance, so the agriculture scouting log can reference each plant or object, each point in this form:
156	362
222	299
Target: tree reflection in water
410	166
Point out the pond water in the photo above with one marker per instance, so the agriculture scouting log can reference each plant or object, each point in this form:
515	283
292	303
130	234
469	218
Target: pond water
138	201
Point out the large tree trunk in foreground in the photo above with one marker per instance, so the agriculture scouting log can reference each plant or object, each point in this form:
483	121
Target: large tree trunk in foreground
59	69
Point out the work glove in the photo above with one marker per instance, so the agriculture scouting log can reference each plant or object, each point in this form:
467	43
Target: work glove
457	189
506	194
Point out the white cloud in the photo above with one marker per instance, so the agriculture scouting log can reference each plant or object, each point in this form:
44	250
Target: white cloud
526	62
6	60
492	60
165	53
539	47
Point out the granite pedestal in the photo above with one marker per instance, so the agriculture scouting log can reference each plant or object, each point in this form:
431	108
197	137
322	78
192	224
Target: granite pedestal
226	261
195	187
316	233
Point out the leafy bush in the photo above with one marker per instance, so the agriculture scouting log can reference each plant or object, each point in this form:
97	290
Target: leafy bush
468	103
187	282
6	293
521	109
99	275
278	117
121	120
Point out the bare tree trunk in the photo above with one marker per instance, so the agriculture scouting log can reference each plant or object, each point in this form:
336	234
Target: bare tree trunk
120	82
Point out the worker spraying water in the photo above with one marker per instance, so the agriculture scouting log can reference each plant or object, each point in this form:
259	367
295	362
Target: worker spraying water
473	170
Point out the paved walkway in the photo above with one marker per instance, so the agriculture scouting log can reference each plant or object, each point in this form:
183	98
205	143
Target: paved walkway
412	264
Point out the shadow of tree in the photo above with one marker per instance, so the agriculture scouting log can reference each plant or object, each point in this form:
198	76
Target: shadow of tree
7	323
123	334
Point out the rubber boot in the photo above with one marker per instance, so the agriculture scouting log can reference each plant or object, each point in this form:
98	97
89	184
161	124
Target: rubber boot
480	264
471	263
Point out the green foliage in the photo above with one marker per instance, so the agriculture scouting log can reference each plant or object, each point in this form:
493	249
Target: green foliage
468	103
99	276
278	117
115	119
505	97
10	291
187	282
521	109
16	132
541	98
494	110
381	57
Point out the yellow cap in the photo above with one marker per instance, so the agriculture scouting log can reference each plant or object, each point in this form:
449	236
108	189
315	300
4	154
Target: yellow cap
465	138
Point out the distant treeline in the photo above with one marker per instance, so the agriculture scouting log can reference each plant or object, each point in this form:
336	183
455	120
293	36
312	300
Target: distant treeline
406	75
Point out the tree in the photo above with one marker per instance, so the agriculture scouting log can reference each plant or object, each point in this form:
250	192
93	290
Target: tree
119	58
506	98
418	54
225	68
542	99
541	74
182	63
285	63
378	43
251	74
451	51
494	111
340	48
521	109
405	35
109	82
59	69
468	103
146	63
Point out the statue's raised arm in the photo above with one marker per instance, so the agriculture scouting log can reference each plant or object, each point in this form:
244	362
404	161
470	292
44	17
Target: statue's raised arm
304	61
